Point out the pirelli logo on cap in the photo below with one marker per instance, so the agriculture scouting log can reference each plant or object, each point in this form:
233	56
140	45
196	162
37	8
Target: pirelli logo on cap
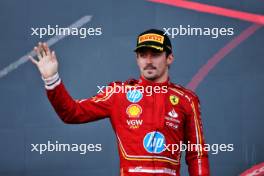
151	37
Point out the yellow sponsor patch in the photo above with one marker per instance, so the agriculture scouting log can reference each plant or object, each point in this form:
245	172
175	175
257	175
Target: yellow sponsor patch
151	37
174	99
134	110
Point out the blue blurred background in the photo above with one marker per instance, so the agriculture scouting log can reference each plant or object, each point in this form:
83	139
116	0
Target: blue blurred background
231	95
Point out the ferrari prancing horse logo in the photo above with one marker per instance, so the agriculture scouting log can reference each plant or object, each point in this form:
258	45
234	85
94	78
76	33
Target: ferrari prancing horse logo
174	99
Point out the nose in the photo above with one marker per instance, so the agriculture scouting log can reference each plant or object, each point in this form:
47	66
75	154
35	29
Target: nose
149	58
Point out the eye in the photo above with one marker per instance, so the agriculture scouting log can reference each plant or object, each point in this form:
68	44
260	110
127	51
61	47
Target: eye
143	54
156	54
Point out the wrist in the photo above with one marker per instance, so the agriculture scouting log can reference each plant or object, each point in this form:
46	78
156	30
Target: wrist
52	81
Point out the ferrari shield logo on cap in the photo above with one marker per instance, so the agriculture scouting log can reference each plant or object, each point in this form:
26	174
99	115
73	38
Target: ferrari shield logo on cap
174	99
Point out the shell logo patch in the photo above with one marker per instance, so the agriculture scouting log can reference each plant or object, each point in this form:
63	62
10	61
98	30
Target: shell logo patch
134	110
174	99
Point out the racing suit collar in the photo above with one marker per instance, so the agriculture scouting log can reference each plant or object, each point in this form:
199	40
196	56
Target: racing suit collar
145	82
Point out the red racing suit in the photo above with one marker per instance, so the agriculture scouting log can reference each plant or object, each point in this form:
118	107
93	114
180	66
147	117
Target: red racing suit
149	122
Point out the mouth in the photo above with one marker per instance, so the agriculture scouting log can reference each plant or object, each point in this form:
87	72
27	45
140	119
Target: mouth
150	71
149	68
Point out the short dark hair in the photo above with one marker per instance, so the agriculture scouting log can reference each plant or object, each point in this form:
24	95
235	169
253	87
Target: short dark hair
168	53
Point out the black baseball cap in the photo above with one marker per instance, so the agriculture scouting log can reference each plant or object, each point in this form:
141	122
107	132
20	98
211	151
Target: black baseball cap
154	38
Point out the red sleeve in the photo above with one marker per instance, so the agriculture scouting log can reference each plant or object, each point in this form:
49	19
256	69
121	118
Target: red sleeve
197	160
79	111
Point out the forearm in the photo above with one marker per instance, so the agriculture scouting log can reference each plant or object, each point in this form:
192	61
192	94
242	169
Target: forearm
75	111
64	105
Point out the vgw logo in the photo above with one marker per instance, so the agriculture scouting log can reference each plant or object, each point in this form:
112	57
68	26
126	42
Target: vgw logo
134	96
154	142
134	123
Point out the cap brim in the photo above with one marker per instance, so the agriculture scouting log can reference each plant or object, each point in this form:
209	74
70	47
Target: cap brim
160	49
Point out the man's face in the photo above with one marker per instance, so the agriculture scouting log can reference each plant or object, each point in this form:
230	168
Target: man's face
153	64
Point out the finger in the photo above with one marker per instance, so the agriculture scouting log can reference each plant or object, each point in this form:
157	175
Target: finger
38	53
46	48
42	51
53	56
33	60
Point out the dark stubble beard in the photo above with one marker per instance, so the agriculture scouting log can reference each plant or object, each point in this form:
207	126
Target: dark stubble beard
153	77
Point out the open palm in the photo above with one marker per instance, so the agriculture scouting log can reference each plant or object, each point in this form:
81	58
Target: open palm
47	62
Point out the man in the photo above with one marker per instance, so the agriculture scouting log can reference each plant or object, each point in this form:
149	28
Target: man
147	126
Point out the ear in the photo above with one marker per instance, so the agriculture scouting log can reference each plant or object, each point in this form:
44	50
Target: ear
170	59
137	60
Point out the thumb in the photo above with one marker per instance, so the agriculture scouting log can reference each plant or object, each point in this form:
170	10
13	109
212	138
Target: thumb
33	60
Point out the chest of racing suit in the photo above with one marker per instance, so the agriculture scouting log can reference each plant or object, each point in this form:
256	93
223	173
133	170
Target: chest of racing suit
153	123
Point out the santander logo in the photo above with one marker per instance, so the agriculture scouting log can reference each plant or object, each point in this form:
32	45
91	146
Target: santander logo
173	114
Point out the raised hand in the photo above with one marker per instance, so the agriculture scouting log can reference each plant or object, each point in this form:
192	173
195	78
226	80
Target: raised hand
47	62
